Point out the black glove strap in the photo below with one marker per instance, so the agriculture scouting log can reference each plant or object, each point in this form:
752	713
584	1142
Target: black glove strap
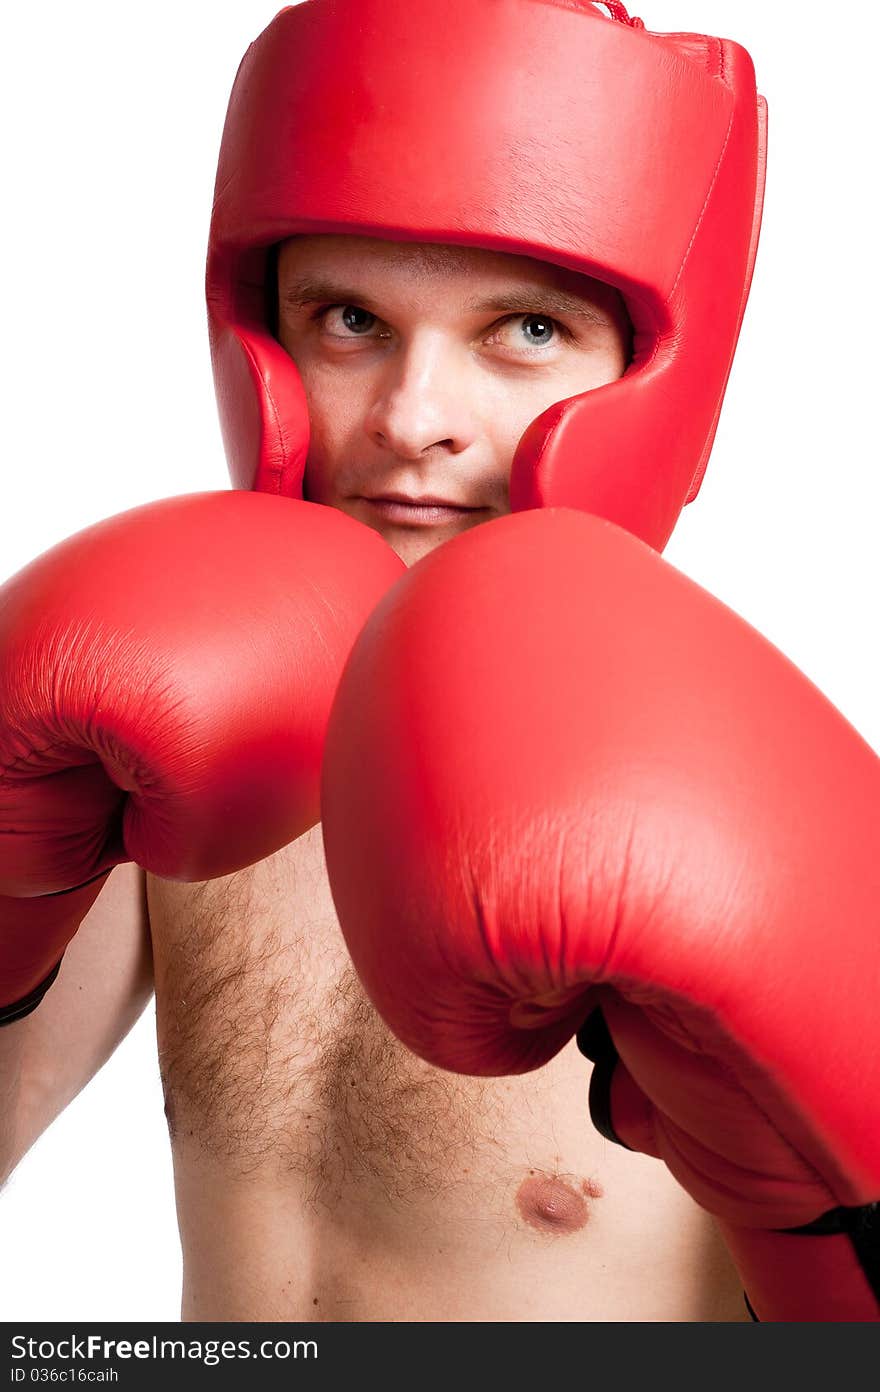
862	1227
595	1043
18	1009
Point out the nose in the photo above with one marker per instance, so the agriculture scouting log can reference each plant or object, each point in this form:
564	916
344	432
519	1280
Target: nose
422	401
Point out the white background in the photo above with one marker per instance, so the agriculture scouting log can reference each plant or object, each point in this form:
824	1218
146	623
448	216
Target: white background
111	119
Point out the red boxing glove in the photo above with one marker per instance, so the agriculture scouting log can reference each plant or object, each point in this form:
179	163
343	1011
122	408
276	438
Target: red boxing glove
165	679
562	779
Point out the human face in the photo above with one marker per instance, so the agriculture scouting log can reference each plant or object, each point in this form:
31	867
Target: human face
423	364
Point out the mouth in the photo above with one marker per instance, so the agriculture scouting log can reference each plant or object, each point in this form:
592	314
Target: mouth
417	512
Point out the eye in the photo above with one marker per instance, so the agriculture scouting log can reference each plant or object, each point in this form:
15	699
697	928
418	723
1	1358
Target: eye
537	331
351	317
531	331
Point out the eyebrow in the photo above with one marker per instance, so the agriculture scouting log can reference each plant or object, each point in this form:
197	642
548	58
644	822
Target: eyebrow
542	299
546	299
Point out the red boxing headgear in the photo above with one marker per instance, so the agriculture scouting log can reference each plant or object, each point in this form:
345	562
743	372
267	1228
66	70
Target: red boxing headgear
545	128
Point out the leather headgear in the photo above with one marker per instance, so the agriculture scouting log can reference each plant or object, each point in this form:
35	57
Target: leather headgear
546	128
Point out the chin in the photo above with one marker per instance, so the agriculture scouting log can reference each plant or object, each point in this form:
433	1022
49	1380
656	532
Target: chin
411	543
411	547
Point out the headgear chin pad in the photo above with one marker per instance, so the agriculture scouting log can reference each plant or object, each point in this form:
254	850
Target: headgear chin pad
544	128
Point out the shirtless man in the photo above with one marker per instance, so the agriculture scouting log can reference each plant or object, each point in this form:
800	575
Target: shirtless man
321	1171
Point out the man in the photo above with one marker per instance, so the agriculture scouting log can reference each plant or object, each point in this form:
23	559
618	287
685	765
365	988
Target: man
321	1170
382	1189
318	1165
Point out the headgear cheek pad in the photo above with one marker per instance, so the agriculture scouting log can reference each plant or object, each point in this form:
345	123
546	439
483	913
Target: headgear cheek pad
544	128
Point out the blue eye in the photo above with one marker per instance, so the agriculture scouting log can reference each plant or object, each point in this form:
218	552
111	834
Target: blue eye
545	329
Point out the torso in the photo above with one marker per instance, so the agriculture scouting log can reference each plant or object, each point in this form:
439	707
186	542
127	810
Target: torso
324	1173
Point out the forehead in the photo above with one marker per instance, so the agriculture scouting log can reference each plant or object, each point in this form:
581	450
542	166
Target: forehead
421	262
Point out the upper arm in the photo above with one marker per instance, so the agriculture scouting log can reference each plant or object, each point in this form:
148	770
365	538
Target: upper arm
106	979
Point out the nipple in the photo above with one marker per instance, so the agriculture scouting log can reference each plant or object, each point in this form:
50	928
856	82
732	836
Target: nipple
555	1205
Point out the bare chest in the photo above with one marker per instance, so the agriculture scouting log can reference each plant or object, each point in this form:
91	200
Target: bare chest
268	1045
280	1078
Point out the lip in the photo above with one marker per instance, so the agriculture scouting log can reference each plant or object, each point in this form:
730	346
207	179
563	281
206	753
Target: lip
428	500
426	511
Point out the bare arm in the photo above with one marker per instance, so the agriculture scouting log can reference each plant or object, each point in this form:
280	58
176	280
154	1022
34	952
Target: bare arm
105	981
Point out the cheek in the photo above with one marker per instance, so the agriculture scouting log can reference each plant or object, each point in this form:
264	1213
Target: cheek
511	407
605	363
509	411
583	372
335	416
